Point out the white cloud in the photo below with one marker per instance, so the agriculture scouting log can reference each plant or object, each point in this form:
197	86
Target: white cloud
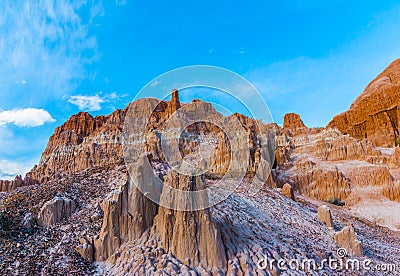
87	103
94	103
120	2
47	44
154	83
27	117
9	169
113	96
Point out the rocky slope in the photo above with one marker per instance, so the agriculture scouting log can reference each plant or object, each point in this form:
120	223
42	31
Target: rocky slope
252	228
375	114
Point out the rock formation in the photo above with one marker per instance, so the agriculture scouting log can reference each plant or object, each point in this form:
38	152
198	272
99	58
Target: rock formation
191	236
347	238
9	185
324	215
80	143
392	192
345	148
55	210
375	114
336	168
174	104
293	121
132	235
127	211
373	176
287	191
323	184
86	249
84	141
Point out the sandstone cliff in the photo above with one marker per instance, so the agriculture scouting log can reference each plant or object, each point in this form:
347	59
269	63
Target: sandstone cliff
9	185
293	121
191	236
375	114
80	143
127	212
84	141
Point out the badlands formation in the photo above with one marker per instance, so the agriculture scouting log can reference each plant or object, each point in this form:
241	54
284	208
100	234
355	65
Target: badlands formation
83	211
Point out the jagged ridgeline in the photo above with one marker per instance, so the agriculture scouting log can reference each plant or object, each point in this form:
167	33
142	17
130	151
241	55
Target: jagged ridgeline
85	141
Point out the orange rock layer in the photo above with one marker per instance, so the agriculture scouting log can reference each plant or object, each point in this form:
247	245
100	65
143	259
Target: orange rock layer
375	114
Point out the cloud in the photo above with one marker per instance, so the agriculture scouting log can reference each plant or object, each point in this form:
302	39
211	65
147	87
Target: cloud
9	169
113	96
94	103
27	117
87	103
46	44
154	83
120	2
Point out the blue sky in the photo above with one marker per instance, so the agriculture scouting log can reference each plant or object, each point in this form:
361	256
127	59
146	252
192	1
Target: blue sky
58	58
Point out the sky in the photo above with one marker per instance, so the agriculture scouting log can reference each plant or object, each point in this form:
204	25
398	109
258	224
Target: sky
58	57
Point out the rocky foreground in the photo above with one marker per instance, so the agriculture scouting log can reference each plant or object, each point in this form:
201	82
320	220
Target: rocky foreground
79	212
251	228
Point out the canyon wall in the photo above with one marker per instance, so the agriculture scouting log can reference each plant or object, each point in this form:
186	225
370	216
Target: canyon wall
375	114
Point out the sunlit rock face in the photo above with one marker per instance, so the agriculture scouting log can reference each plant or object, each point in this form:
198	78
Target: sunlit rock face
18	181
84	141
191	236
375	114
127	211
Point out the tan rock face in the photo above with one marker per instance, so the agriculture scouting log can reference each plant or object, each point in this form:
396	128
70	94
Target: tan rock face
85	141
370	176
392	192
347	238
86	250
287	191
55	210
191	236
324	215
293	121
397	155
322	184
375	114
282	159
174	104
127	212
80	143
345	148
9	185
336	168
